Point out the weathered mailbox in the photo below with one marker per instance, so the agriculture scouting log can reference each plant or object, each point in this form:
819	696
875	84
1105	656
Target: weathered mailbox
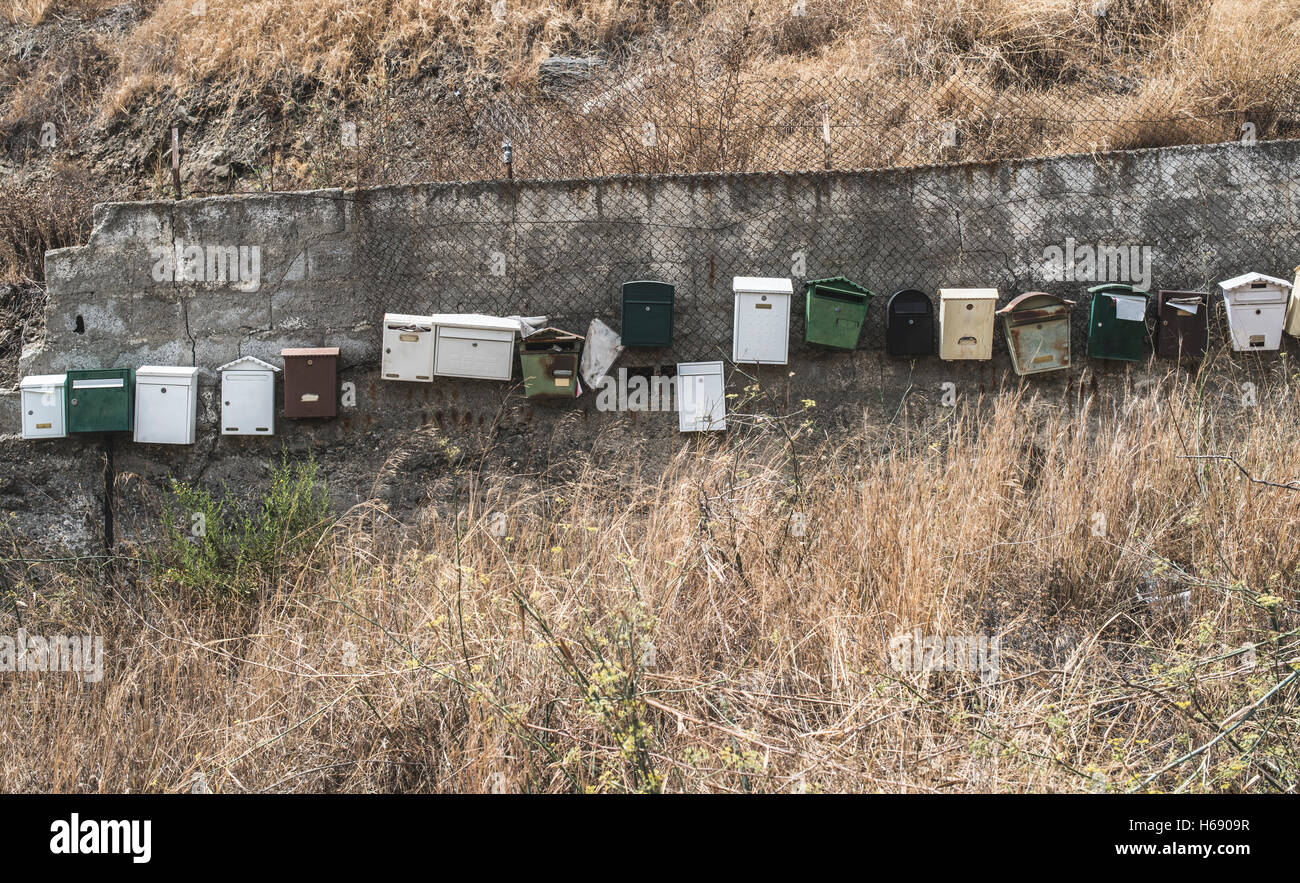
474	346
760	331
647	314
311	381
701	397
1037	326
966	322
1117	322
100	400
1256	306
166	404
1182	324
42	400
834	310
248	397
408	348
909	324
549	359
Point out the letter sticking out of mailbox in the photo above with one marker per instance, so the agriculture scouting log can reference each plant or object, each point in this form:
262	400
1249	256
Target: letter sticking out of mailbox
834	310
760	331
42	401
408	348
647	314
248	397
909	324
549	358
966	322
166	404
1182	324
1117	322
475	346
1037	326
1256	306
311	381
701	397
100	400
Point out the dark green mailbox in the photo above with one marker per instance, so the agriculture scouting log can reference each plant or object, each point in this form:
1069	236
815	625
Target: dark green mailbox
647	314
100	401
1117	324
834	310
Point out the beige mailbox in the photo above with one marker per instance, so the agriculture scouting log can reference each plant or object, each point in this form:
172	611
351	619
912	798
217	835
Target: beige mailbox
966	322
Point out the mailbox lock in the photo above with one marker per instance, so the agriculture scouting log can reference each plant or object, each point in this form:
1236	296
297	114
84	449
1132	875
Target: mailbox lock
764	297
970	306
647	309
163	390
475	343
1257	312
73	402
311	361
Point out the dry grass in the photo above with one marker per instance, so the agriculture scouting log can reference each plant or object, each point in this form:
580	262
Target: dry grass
637	631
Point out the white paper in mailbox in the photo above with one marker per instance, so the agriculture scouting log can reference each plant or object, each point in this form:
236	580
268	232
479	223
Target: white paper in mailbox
601	349
1187	306
1130	307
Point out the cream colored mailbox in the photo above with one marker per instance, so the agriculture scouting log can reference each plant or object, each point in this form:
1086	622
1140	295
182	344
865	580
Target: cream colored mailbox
760	331
1292	326
701	397
248	397
408	348
1256	306
42	401
966	322
476	346
166	404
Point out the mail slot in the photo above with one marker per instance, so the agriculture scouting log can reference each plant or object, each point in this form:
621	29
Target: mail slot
1037	326
834	310
647	313
966	322
1256	306
1182	324
41	397
166	404
1292	326
1117	322
475	346
760	331
701	397
248	397
311	381
100	400
408	348
909	324
549	359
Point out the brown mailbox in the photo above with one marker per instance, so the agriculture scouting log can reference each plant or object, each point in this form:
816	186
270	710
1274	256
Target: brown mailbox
311	381
1182	324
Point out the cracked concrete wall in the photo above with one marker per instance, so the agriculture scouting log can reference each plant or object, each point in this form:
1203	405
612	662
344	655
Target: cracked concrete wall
332	262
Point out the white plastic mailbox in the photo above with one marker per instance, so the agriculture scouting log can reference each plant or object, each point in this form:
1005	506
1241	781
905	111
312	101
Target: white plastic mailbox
474	346
1256	306
166	404
408	348
760	331
248	397
42	401
701	397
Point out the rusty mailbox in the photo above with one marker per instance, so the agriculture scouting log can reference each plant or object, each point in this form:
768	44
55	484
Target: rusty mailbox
1037	326
311	381
1182	324
549	359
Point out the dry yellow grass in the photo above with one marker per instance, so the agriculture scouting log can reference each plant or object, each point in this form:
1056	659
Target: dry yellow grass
639	631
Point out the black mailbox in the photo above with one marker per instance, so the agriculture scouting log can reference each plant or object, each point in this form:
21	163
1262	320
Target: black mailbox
909	324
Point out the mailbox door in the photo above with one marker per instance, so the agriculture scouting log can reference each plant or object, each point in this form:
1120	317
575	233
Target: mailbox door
43	412
1111	334
550	375
833	318
701	397
1182	324
408	352
909	324
1038	344
482	353
247	403
99	401
966	328
761	328
1256	324
647	314
311	386
164	412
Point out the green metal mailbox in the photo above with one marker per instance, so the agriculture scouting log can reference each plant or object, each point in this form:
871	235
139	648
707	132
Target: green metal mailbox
100	401
647	314
834	310
1117	323
549	359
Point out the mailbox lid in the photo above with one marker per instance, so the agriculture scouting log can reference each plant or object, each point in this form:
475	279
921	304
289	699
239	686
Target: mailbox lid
701	397
762	285
1254	288
100	400
44	382
647	313
173	375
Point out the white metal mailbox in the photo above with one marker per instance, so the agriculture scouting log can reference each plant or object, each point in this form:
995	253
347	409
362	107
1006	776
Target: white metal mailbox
480	347
248	397
166	404
966	322
1256	306
760	331
42	401
408	348
701	397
